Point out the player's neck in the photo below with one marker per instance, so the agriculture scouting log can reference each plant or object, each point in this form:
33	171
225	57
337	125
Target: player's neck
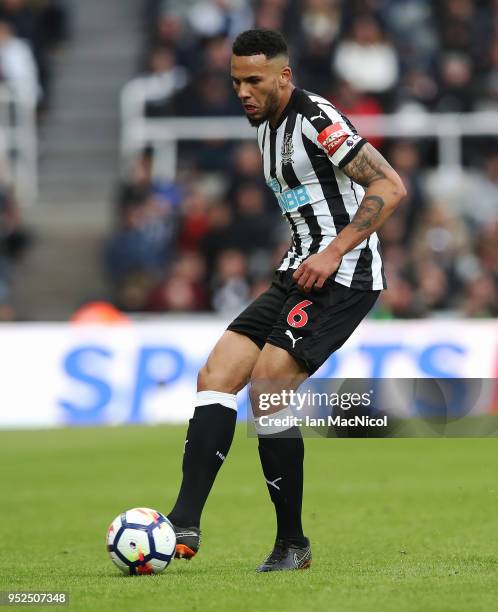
284	101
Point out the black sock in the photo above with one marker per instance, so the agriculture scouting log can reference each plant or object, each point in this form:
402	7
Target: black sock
209	436
282	457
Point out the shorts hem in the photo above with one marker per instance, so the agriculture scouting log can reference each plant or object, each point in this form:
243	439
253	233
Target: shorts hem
301	360
259	342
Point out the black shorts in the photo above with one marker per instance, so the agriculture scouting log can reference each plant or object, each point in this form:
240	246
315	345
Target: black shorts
309	326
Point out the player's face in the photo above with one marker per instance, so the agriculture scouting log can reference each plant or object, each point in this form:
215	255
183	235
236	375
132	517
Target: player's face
258	83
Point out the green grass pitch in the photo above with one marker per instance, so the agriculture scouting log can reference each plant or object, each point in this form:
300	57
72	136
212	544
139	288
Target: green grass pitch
395	524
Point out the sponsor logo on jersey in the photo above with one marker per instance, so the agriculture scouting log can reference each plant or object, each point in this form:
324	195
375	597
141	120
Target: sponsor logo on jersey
290	199
332	137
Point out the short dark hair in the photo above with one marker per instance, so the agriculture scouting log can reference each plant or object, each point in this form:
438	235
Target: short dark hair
256	42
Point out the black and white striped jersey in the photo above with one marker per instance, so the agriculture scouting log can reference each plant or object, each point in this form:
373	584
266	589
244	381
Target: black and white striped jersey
302	159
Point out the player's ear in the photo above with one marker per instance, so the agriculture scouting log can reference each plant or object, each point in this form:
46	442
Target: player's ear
285	75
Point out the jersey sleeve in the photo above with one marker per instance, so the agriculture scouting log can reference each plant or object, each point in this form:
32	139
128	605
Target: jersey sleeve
340	143
335	135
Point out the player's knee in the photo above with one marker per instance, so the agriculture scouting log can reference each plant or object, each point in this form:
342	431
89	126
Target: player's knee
271	377
203	378
265	369
215	379
262	383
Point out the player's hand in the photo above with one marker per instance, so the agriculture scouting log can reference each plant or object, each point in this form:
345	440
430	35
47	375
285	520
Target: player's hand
315	270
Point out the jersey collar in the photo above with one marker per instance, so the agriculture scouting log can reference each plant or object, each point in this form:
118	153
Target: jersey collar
285	112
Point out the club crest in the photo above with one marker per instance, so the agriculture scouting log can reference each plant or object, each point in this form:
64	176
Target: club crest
287	150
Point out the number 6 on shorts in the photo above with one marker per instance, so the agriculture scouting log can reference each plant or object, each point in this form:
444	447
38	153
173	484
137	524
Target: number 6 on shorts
297	317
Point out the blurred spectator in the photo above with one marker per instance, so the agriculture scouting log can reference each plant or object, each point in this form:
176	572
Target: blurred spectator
210	95
398	301
486	214
490	78
230	287
182	289
43	25
194	222
455	93
17	66
220	17
7	312
417	92
22	17
140	250
463	27
442	235
216	54
271	15
356	8
405	159
487	249
481	297
246	169
479	210
252	227
351	102
432	284
141	183
14	240
53	29
413	30
171	31
366	58
138	183
156	88
319	30
488	99
218	235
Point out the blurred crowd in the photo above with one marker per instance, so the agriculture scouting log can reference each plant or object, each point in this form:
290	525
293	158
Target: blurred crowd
30	30
209	238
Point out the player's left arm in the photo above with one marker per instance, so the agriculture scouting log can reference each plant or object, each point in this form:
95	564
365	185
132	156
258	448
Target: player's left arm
384	190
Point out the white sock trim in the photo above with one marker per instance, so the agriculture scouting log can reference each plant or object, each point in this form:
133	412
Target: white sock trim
204	398
276	422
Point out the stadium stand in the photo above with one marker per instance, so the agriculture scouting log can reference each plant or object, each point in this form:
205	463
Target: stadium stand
441	247
78	160
31	31
186	234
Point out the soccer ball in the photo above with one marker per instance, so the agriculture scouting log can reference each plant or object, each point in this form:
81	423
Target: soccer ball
141	541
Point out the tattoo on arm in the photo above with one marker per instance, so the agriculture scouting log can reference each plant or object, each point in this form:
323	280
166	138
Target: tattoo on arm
368	213
368	166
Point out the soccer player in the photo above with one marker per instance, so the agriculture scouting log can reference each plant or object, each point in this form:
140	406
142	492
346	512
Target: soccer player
335	190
